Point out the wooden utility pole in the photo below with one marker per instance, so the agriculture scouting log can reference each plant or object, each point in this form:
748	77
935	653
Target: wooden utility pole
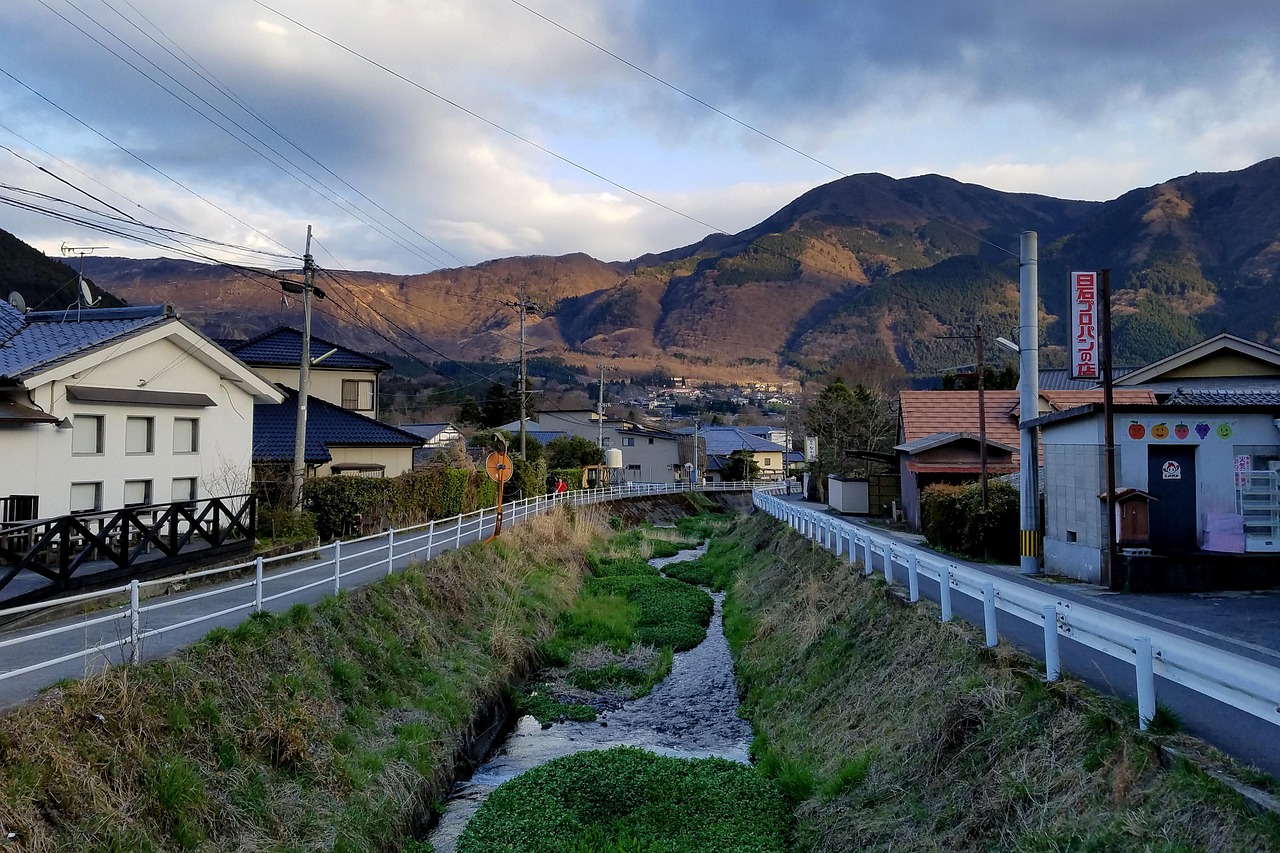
523	305
1109	575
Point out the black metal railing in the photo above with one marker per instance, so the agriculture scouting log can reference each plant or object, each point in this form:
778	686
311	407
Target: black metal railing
106	545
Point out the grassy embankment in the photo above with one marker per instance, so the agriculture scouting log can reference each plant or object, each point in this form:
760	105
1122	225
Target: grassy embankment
893	731
326	728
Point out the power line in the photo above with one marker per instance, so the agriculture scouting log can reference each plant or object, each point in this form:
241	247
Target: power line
140	160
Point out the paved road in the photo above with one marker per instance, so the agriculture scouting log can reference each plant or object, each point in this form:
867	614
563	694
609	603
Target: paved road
1247	624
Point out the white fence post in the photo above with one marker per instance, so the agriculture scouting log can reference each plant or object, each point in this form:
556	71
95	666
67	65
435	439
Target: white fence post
457	532
837	541
944	593
853	546
1146	682
391	550
913	579
431	534
337	565
257	585
989	612
1052	664
867	556
888	564
135	625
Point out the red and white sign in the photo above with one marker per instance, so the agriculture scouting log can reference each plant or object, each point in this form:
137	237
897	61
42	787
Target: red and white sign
1244	464
1084	325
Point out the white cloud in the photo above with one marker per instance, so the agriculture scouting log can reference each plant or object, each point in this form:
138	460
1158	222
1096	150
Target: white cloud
1072	100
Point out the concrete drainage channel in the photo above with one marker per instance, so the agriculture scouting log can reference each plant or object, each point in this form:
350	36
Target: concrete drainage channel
692	713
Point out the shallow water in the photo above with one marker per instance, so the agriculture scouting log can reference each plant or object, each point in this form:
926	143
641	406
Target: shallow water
692	713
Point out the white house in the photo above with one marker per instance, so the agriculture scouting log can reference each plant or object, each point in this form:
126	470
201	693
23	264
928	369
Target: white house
103	408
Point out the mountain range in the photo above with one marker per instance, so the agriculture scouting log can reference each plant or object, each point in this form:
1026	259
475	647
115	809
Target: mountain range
865	271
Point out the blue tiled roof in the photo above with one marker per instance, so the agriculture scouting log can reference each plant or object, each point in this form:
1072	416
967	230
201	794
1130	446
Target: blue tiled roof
275	424
282	347
41	339
725	440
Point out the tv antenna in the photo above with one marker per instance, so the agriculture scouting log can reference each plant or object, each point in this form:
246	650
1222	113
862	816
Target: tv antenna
84	296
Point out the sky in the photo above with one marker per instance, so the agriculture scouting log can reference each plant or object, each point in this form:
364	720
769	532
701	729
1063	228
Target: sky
418	134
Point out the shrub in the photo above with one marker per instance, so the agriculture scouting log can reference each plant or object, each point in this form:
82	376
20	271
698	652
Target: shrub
953	519
346	505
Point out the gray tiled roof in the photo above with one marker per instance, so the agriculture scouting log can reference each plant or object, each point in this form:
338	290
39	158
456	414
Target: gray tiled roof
1225	397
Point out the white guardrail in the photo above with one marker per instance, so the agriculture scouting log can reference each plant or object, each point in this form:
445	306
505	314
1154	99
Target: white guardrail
326	569
1240	682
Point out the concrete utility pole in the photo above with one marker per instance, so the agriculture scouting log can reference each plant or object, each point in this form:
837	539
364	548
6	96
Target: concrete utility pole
1029	403
304	378
600	409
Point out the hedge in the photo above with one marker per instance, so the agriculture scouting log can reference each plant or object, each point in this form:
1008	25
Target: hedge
345	505
952	519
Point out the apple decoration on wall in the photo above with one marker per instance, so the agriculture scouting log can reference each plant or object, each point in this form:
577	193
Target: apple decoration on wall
1137	430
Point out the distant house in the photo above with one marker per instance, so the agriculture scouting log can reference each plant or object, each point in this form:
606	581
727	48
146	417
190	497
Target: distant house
435	437
105	408
722	442
648	455
339	441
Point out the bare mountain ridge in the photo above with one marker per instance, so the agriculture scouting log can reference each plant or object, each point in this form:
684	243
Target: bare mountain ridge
867	267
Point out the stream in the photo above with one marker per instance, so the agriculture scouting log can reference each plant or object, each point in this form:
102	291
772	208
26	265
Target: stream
692	713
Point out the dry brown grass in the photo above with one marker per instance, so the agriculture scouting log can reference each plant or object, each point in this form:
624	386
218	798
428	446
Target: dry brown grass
336	724
970	750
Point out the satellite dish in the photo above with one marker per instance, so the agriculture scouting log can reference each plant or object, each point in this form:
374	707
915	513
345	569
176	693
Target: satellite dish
86	295
16	300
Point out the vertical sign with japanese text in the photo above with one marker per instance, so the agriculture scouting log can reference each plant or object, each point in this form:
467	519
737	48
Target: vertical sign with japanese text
1084	325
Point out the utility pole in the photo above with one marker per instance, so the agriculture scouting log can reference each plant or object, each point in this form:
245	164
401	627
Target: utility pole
1029	397
982	417
523	305
600	409
304	377
1111	578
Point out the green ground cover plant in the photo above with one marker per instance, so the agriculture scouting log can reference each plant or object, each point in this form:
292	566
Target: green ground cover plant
620	634
321	728
626	799
893	731
714	569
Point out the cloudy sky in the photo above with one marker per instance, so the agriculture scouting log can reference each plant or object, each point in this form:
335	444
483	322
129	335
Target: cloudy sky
415	134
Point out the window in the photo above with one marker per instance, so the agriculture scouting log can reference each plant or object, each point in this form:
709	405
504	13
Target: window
186	435
184	489
651	441
628	441
139	435
86	435
606	442
86	497
633	469
137	492
357	395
